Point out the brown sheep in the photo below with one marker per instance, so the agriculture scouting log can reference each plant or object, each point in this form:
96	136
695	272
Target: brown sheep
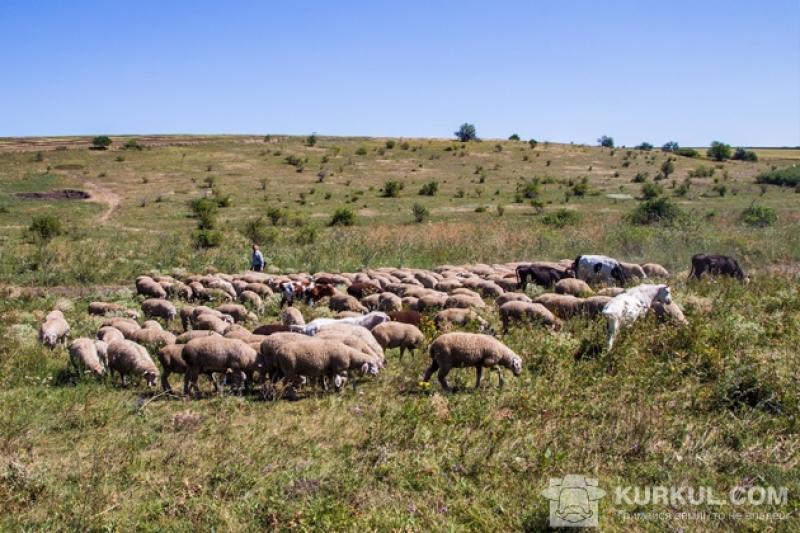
516	311
459	350
398	335
573	286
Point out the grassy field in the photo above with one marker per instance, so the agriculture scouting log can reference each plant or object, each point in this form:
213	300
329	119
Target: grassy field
714	404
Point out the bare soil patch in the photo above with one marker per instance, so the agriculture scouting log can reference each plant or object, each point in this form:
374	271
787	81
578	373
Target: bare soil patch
63	194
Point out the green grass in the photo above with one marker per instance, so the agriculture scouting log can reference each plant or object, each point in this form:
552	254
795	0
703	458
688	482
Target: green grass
713	404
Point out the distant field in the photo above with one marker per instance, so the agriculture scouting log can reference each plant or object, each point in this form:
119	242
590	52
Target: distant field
713	404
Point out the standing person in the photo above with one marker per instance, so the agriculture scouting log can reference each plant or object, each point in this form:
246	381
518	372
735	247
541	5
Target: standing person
257	260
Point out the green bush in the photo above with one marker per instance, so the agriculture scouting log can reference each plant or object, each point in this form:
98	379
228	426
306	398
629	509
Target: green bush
742	154
651	190
759	216
640	177
420	212
258	231
311	140
277	215
101	142
429	189
390	144
786	176
644	146
528	188
533	143
207	238
132	144
344	216
293	160
701	171
667	168
306	234
606	142
392	188
670	146
657	210
44	228
361	150
683	188
719	151
720	189
581	187
687	152
513	137
561	217
205	210
466	132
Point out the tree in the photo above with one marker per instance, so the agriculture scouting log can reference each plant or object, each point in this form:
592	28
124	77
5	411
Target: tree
667	168
719	151
670	146
101	142
513	137
646	146
44	228
466	133
311	140
742	154
606	142
533	143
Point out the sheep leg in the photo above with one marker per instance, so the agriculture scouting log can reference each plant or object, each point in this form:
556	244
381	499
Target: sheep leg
429	372
122	379
442	376
500	381
478	373
165	381
611	333
402	351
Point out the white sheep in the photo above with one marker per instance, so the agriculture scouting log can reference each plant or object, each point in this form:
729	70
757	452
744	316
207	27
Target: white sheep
127	357
53	331
398	335
458	350
624	309
83	353
159	307
291	316
215	354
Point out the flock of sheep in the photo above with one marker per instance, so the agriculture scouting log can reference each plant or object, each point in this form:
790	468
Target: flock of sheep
373	311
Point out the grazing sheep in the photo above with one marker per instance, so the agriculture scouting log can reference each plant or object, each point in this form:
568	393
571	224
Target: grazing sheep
564	306
516	311
717	265
53	331
490	289
388	302
459	350
54	314
398	335
270	329
633	271
180	290
151	324
654	270
511	297
266	358
109	334
147	286
669	313
372	301
431	300
125	325
291	316
127	357
610	291
237	332
407	317
463	301
259	288
106	308
360	289
187	313
158	307
83	353
345	302
351	330
252	299
155	338
460	317
593	305
185	337
238	312
573	286
624	309
215	354
211	322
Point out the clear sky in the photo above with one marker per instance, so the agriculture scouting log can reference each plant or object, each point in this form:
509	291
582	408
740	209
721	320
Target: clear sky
690	71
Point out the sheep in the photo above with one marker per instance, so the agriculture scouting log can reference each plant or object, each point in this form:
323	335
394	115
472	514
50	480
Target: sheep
518	311
237	332
669	313
259	288
610	291
598	268
461	317
372	301
369	321
564	306
458	350
215	354
360	289
211	322
266	357
398	335
633	271
185	337
345	302
270	329
109	334
490	289
203	310
102	352
152	324
83	353
388	302
253	299
314	358
573	286
593	305
407	317
186	313
158	307
624	309
127	357
54	314
432	300
211	295
152	337
147	286
463	301
409	302
125	325
106	308
238	312
291	316
511	297
365	335
654	270
53	331
180	290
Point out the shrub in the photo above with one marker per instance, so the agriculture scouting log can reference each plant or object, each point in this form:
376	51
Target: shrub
701	171
606	142
391	189
651	190
644	146
741	154
405	145
687	152
533	143
561	217
656	210
390	144
466	132
759	216
132	144
276	215
513	137
667	168
311	140
207	238
500	210
529	188
429	189
640	177
719	151
420	212
44	228
670	146
101	142
786	176
257	231
581	187
720	189
361	151
293	160
205	210
683	188
480	209
344	216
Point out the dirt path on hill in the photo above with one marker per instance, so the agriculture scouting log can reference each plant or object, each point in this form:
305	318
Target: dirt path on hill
105	196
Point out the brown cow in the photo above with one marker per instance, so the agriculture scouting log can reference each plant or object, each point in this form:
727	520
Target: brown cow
718	265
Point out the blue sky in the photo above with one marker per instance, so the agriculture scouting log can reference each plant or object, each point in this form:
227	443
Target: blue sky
562	71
